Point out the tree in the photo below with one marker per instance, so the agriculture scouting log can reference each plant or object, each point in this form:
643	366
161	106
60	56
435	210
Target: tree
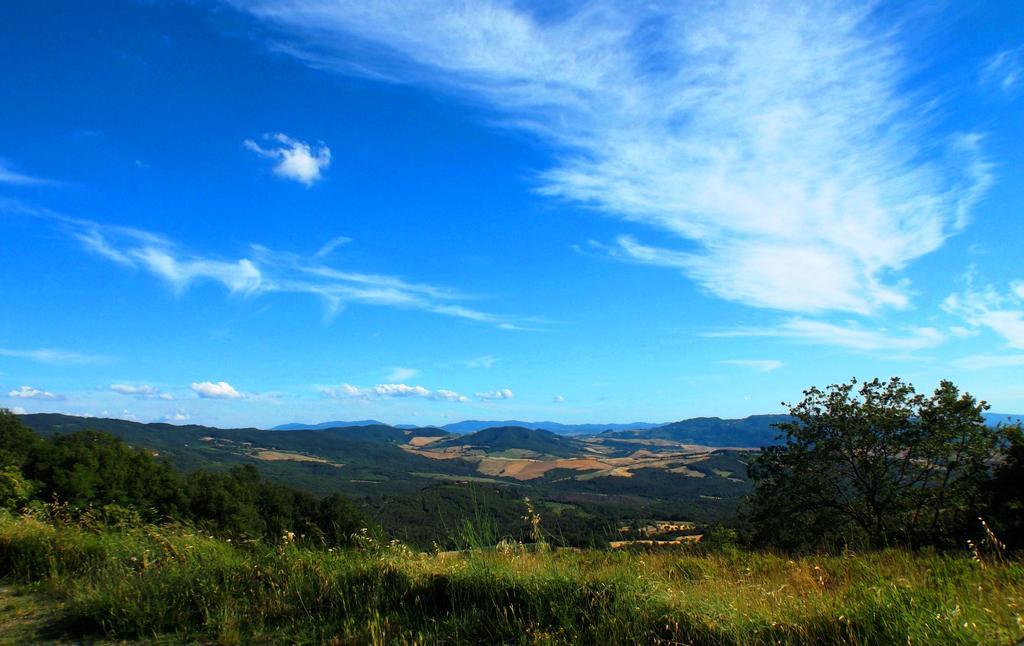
16	440
1005	492
873	466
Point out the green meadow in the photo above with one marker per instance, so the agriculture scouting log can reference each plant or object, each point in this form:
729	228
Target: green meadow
96	581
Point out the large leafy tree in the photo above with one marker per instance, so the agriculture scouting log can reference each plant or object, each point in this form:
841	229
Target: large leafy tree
1005	492
873	465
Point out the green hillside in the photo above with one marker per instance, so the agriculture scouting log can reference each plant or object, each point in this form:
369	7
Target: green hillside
516	437
420	498
356	461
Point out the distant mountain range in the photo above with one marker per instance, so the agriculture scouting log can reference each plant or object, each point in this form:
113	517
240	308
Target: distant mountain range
755	430
326	425
471	426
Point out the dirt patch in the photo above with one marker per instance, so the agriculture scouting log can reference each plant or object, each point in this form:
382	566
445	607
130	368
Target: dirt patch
688	472
274	456
423	441
433	455
530	469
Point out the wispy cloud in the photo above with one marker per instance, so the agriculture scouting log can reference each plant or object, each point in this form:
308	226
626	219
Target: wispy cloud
849	335
8	175
53	356
330	246
216	390
775	142
987	307
142	391
1004	70
398	373
483	361
263	270
757	365
297	161
28	392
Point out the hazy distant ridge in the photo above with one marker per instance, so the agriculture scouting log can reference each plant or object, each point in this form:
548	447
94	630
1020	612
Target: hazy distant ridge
472	426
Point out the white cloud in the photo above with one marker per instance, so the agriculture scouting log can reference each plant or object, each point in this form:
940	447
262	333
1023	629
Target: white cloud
344	390
216	390
52	356
757	365
297	160
388	391
18	410
558	399
10	176
849	335
1004	70
504	393
483	361
400	390
398	373
263	271
28	392
449	395
777	143
239	276
988	308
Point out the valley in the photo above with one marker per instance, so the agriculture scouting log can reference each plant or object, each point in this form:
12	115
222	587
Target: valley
419	482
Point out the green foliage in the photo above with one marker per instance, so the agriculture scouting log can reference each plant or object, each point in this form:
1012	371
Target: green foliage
15	488
517	437
876	466
16	441
96	475
242	503
90	467
1005	492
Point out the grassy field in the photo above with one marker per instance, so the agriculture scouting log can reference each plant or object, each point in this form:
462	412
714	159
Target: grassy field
172	585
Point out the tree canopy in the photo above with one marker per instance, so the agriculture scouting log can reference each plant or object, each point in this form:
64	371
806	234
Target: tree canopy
95	469
874	466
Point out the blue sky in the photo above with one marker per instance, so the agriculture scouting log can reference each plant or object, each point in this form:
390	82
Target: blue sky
252	212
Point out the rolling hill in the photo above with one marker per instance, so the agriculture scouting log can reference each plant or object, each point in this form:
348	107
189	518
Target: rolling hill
356	461
514	438
754	431
602	476
471	426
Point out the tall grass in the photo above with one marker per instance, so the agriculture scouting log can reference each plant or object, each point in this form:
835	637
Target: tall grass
177	585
